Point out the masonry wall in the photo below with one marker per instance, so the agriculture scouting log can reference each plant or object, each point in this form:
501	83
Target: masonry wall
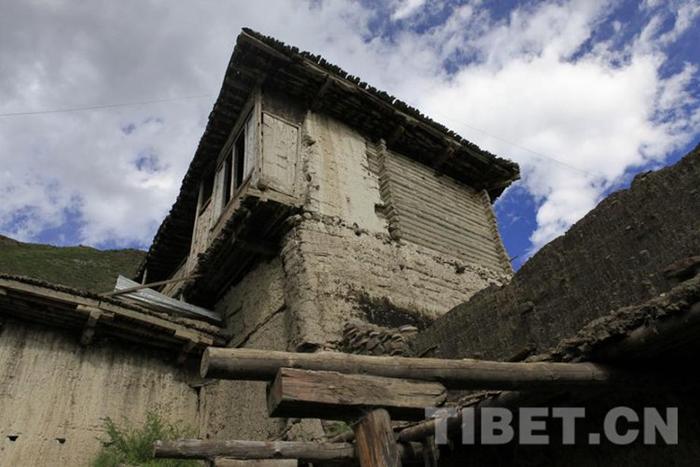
54	393
613	257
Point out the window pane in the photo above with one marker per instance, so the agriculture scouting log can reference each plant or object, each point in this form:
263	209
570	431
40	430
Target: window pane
239	160
227	181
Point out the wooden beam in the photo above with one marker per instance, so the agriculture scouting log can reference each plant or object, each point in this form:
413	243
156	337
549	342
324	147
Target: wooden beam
397	133
323	90
374	438
439	161
263	365
332	395
89	329
304	451
246	450
227	462
261	247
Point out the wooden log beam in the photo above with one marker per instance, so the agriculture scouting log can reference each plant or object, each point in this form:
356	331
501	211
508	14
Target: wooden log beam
245	450
263	365
251	450
332	395
374	437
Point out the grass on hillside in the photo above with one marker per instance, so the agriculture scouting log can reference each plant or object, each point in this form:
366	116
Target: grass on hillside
79	267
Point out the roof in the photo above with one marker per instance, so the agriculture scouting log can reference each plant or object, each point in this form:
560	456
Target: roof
260	60
90	314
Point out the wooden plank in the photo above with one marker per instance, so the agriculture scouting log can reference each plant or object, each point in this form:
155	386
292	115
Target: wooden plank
332	395
374	438
244	450
263	365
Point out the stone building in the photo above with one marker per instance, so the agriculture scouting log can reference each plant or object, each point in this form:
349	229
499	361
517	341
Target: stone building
317	204
318	212
331	196
321	213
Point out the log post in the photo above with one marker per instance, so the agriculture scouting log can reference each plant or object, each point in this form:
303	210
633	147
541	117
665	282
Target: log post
374	438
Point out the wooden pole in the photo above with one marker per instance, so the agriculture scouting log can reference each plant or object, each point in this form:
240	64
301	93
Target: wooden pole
263	365
252	450
374	438
331	395
210	449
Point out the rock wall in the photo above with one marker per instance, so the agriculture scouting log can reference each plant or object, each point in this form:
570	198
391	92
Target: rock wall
54	393
338	273
614	256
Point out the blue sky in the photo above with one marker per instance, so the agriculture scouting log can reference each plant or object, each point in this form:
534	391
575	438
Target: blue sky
583	94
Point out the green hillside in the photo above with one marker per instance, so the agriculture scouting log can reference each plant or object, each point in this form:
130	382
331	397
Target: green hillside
79	266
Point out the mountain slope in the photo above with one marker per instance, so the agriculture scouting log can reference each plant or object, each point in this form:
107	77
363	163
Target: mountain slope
79	266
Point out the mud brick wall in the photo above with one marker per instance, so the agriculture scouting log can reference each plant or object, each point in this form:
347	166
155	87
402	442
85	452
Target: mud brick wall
612	257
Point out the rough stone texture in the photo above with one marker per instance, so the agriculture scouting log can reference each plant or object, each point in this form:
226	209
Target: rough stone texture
615	256
255	315
238	409
52	389
253	302
336	272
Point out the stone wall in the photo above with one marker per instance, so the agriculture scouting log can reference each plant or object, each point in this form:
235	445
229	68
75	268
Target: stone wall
613	257
54	393
338	273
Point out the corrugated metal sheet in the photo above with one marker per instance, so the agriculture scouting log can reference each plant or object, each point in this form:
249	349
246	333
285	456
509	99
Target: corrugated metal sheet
438	212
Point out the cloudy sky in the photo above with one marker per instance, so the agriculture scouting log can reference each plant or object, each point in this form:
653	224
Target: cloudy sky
583	94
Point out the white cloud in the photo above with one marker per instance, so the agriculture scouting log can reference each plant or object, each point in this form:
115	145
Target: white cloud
405	8
597	110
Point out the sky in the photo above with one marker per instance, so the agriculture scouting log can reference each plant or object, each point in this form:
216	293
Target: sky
582	94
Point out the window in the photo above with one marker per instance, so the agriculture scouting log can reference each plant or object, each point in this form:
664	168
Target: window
237	165
227	180
207	189
239	160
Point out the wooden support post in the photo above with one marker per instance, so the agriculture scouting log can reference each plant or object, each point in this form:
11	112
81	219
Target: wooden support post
331	395
430	452
374	438
263	365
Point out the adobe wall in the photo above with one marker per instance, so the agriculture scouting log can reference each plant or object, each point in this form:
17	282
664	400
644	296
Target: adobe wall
52	389
340	260
338	274
338	264
614	256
